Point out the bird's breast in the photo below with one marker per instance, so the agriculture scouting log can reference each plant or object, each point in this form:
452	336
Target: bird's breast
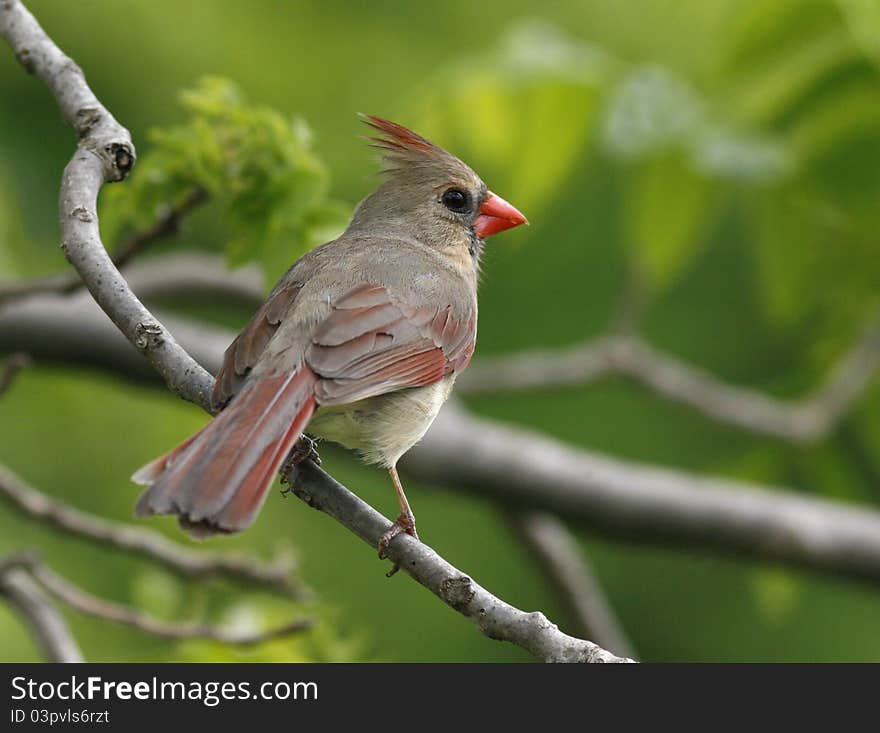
385	427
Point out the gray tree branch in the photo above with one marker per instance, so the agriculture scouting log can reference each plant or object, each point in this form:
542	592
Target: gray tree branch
275	576
106	153
10	369
196	275
646	503
559	555
492	616
46	624
71	329
86	603
800	421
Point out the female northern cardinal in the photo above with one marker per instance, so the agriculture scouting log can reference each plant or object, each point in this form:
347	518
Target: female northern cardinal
360	341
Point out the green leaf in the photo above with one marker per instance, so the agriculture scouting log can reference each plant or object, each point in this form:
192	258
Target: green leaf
258	168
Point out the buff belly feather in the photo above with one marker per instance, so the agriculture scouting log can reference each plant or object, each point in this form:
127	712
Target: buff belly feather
385	427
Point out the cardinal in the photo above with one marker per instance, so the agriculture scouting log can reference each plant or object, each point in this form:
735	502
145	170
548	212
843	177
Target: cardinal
359	343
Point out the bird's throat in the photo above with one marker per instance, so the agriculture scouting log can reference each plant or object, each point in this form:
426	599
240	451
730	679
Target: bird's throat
475	246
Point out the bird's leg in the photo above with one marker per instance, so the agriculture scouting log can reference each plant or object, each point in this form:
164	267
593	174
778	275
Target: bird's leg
306	448
406	522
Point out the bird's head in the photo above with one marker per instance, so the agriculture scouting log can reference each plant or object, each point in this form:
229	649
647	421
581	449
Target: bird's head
430	195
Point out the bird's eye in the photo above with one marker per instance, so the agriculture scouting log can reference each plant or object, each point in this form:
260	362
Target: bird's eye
456	200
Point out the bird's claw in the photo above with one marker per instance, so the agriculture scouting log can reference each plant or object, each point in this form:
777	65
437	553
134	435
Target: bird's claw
306	449
403	523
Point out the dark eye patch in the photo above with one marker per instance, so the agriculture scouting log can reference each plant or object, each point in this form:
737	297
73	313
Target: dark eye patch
456	200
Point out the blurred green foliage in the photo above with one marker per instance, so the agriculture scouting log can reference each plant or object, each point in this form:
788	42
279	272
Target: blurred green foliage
269	187
723	155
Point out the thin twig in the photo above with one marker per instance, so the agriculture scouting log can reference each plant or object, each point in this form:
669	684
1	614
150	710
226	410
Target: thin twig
167	224
564	564
275	576
800	421
632	302
48	627
114	156
14	364
79	600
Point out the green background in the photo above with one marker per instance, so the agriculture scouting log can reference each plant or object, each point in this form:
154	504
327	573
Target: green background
724	156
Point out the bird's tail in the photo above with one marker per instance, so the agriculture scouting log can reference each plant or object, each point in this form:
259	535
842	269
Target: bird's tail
217	480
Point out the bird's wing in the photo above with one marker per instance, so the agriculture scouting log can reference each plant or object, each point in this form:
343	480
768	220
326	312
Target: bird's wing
370	344
243	353
366	344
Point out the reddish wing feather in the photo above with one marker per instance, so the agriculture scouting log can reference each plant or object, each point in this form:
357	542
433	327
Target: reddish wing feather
243	353
369	345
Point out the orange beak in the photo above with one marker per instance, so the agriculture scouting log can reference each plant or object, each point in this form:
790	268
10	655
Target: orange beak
495	216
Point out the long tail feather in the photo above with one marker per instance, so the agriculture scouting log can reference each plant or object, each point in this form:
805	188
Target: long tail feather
217	480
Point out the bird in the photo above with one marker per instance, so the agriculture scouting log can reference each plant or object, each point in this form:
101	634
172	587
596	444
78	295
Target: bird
359	343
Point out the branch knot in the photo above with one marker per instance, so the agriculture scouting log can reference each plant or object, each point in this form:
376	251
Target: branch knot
123	157
458	592
24	58
83	214
86	119
148	336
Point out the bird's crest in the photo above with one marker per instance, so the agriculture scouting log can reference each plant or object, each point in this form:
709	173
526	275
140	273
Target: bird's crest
401	147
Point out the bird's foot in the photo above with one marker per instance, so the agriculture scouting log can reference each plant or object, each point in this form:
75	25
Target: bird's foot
403	523
306	449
